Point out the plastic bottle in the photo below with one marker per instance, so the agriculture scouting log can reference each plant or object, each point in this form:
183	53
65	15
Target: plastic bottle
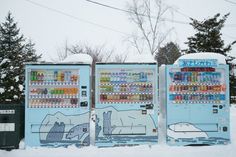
55	76
62	76
31	76
150	87
59	76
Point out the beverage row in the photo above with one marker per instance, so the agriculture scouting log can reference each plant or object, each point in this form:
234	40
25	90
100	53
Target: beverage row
125	77
52	91
126	98
197	97
196	77
53	102
52	77
127	88
197	88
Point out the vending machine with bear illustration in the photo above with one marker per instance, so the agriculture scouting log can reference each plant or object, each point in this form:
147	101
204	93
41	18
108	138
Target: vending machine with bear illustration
196	105
126	104
57	104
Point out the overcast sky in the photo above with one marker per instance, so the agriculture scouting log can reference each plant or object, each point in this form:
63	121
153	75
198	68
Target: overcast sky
82	22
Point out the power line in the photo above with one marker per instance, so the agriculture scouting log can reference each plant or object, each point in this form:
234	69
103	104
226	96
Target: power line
76	18
127	11
108	6
153	17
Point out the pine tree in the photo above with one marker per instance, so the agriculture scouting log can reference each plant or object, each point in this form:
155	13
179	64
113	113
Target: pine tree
168	54
14	51
208	36
208	39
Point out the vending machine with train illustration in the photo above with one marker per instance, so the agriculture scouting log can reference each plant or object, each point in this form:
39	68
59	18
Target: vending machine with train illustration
126	104
197	102
57	109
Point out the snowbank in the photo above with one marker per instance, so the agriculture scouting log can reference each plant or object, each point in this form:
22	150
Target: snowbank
203	55
78	58
141	58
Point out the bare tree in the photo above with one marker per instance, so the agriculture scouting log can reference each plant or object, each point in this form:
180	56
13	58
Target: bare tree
148	15
98	53
62	52
120	58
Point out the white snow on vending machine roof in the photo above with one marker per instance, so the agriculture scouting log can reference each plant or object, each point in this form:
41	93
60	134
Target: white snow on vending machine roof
204	55
78	58
141	58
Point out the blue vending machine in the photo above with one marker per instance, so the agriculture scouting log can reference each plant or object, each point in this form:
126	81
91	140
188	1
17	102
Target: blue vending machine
57	109
197	102
126	104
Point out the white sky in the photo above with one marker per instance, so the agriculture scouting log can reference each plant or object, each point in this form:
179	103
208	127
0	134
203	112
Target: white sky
49	29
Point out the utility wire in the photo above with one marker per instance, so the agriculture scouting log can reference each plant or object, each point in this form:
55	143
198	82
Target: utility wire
108	6
76	18
167	19
127	11
102	26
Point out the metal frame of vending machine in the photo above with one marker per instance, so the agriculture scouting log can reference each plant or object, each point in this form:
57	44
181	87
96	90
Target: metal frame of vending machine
197	102
126	104
57	110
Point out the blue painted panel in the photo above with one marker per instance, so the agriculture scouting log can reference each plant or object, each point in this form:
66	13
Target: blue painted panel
53	118
126	120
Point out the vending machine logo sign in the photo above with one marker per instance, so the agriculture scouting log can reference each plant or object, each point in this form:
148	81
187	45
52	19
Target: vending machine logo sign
198	62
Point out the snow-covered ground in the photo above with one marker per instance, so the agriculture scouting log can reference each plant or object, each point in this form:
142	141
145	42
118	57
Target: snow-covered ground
159	150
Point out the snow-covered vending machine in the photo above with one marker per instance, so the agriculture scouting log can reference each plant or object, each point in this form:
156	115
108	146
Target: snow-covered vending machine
126	104
197	102
57	109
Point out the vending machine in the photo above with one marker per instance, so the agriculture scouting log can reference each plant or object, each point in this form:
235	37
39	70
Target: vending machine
197	102
57	109
126	104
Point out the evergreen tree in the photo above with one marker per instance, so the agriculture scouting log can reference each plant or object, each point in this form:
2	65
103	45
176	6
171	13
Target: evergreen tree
14	51
208	39
168	54
208	36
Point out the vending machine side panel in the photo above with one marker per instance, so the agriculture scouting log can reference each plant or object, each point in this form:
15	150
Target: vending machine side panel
162	104
121	117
